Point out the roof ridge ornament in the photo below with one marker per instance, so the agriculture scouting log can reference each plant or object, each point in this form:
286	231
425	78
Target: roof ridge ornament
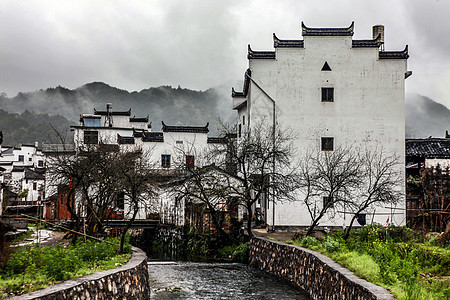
278	43
309	31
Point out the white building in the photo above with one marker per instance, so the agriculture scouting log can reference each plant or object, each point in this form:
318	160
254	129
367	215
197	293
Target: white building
23	171
168	149
331	90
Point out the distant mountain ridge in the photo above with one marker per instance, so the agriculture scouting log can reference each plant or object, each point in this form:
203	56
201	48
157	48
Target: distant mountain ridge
424	117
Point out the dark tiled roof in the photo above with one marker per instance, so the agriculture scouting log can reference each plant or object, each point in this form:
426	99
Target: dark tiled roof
6	163
260	54
30	174
114	113
138	133
394	54
217	140
376	43
277	43
432	147
244	92
134	119
8	151
306	31
18	169
157	137
125	139
196	129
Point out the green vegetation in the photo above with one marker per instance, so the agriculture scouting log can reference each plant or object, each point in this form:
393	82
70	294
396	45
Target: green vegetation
34	267
28	127
238	253
396	258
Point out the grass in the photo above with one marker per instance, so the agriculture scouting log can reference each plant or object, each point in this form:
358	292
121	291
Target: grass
31	268
395	258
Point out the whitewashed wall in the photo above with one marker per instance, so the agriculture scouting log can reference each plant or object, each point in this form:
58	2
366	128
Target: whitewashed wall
368	108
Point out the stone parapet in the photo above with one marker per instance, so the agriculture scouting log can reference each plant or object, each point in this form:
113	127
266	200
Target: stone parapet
130	281
313	272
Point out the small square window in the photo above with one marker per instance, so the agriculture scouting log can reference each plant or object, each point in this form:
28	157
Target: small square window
327	144
327	94
30	159
165	160
40	163
21	158
91	137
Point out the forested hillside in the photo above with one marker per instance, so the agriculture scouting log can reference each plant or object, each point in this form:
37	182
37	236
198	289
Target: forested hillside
28	127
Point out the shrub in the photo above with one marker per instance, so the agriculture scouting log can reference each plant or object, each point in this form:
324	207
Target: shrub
309	242
59	263
333	243
241	253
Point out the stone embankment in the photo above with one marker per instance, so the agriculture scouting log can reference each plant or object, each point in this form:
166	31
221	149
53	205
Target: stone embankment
130	281
313	272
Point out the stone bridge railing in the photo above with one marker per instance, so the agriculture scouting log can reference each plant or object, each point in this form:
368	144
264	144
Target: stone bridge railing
130	281
313	272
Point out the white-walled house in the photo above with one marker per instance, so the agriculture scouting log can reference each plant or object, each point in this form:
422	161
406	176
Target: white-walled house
23	170
332	91
167	150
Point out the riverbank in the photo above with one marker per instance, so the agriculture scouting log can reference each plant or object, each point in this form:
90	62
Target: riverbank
407	263
44	259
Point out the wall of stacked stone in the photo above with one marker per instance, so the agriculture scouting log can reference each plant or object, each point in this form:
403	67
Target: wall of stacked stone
313	272
130	281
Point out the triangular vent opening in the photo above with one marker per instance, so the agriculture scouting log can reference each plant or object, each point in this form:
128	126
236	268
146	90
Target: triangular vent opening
326	67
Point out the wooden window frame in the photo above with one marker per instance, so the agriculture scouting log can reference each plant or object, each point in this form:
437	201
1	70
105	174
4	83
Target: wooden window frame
327	94
325	143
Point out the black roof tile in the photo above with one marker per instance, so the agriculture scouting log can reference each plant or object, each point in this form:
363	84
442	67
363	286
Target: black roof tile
432	147
196	129
307	31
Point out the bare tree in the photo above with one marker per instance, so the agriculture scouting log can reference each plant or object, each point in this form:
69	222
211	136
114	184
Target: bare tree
329	179
100	174
260	161
209	186
381	183
136	178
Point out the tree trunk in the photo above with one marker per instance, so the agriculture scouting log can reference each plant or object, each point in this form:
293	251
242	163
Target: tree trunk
347	232
249	221
125	230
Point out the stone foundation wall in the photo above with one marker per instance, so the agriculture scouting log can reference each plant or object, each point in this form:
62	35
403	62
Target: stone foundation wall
315	273
130	281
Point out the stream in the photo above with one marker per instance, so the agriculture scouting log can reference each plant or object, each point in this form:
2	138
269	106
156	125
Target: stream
215	280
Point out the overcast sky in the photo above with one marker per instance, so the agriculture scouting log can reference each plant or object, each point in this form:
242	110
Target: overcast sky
199	43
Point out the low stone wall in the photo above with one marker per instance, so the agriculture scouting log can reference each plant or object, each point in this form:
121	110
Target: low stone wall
130	281
315	273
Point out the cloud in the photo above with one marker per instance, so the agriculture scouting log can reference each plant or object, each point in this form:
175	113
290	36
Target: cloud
198	43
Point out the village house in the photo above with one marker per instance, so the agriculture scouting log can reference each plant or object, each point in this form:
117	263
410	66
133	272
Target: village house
428	183
170	150
332	91
23	178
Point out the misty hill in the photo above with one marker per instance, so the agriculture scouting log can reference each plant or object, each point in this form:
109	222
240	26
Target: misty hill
28	127
425	117
165	103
